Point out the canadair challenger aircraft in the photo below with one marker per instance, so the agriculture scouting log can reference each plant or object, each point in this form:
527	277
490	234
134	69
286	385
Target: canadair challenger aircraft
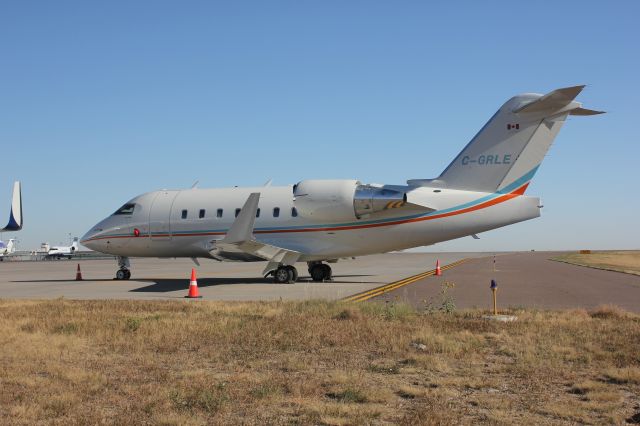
321	221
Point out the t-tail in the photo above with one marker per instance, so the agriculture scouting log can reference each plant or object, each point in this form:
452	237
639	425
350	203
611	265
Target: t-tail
15	214
507	151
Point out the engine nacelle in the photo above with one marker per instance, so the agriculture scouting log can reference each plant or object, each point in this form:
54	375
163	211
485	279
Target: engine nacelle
326	199
343	200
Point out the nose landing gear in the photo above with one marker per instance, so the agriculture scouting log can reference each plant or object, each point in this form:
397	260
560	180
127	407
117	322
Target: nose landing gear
123	273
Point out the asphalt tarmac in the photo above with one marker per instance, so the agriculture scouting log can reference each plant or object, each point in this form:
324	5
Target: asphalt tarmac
526	279
169	278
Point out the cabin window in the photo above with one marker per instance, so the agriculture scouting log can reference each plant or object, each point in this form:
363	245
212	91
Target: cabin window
258	212
184	214
126	209
294	212
219	213
237	212
276	212
201	214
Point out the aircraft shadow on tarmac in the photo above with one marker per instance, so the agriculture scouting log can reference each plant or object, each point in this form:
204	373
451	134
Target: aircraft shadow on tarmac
71	280
162	285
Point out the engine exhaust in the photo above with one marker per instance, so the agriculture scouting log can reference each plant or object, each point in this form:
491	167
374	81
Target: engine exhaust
370	199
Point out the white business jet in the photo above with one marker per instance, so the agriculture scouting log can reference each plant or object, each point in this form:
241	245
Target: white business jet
8	248
321	221
61	252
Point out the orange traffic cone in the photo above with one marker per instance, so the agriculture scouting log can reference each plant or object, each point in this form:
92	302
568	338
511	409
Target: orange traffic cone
193	286
438	270
78	274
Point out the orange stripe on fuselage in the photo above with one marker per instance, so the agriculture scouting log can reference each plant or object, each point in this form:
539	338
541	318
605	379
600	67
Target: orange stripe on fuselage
498	200
516	193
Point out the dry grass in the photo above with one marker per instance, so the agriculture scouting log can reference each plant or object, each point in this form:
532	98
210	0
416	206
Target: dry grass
621	261
125	362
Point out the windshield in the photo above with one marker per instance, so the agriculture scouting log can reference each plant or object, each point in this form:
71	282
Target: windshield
126	209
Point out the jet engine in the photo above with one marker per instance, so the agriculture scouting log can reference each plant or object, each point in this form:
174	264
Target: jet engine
335	200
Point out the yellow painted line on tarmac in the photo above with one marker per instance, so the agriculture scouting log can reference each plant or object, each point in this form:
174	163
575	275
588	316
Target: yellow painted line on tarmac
366	295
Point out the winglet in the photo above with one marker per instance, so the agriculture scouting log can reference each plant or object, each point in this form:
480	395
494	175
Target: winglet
15	215
242	228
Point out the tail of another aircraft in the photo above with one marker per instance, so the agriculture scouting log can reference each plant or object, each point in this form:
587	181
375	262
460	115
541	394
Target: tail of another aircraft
11	246
15	215
508	150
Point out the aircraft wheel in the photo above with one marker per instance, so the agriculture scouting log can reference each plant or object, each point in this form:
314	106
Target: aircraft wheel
317	272
123	274
328	274
283	275
294	273
320	272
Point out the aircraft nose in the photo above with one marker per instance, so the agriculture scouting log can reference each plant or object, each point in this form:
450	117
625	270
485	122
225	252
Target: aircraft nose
89	239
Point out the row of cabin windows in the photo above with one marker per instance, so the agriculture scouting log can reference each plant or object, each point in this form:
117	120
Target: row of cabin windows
219	212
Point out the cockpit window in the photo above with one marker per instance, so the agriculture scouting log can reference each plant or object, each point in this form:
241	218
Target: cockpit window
126	209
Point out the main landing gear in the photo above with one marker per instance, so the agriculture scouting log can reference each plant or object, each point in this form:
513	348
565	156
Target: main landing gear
287	274
320	271
123	273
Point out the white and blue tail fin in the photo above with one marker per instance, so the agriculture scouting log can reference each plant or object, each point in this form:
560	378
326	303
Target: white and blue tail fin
507	151
15	215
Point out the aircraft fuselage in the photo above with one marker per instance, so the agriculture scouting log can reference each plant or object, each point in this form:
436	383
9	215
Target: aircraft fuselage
159	226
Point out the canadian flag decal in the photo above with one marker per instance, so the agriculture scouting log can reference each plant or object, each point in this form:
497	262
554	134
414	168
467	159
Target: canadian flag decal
513	126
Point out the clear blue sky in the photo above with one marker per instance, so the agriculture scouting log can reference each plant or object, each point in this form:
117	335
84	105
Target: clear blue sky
101	101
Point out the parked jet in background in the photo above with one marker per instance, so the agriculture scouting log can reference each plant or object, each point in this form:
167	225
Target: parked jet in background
61	252
8	248
15	214
317	221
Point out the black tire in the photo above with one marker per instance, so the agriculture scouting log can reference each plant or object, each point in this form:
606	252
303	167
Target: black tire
127	274
317	272
328	276
294	273
121	274
282	275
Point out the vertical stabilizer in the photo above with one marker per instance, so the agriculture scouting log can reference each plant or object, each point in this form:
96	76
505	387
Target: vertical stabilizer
15	214
508	150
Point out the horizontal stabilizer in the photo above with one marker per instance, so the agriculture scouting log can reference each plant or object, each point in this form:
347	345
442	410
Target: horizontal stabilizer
552	101
585	111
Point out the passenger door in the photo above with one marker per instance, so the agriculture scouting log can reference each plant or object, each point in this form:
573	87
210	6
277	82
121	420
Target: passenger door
160	215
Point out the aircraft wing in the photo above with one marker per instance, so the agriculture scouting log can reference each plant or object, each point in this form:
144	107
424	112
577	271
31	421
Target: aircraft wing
240	238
